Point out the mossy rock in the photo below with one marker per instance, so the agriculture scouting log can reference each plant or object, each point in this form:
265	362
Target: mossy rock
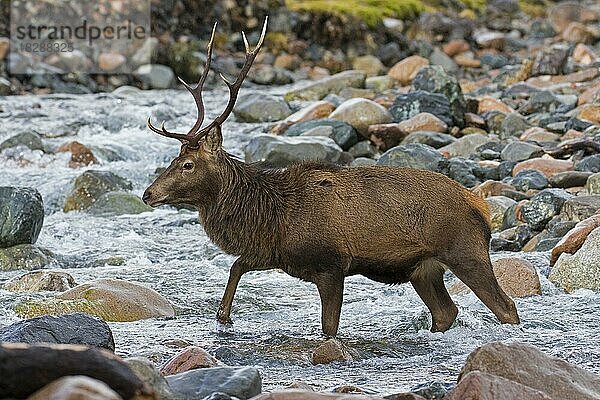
90	186
110	299
26	257
118	203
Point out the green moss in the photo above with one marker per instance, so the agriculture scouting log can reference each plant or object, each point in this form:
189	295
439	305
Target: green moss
477	5
535	8
371	12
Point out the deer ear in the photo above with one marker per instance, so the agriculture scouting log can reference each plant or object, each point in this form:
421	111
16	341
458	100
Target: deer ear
213	140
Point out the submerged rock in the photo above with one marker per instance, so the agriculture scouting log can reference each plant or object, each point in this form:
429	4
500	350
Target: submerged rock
329	351
525	364
76	328
109	299
28	139
21	216
25	256
579	270
279	151
90	186
240	382
53	281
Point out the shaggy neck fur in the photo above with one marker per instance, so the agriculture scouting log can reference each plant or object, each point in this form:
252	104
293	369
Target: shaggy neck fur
247	217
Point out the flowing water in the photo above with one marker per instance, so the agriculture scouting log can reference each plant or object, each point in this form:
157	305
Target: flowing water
277	317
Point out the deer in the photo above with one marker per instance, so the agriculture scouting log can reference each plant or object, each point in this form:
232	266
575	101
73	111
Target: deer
322	222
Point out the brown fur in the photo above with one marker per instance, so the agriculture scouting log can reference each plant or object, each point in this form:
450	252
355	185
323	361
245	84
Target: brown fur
321	223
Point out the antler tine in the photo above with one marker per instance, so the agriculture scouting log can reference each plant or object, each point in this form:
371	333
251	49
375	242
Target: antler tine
197	90
235	86
162	131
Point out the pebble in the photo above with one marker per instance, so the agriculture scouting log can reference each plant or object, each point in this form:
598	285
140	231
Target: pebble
343	133
370	65
434	79
423	122
406	70
520	151
90	186
316	110
543	206
484	386
75	388
465	146
361	113
331	350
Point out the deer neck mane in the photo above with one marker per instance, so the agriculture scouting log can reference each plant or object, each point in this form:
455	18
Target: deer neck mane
247	216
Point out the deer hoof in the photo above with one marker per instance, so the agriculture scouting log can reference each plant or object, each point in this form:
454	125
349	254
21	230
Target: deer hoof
224	328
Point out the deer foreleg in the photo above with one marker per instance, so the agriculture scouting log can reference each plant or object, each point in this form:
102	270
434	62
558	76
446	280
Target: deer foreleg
235	273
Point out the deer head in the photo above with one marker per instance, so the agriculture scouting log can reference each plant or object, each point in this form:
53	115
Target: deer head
195	170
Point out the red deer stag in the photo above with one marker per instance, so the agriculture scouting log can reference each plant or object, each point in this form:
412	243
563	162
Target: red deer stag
322	223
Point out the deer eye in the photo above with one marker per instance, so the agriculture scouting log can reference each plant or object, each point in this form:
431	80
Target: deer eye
188	165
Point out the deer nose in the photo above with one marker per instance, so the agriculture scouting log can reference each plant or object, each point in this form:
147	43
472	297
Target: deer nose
146	197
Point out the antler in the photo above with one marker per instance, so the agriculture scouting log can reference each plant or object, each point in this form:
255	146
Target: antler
192	138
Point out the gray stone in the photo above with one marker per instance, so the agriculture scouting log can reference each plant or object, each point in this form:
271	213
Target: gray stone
363	149
118	203
331	84
579	270
149	374
410	104
76	328
280	151
28	139
25	256
438	57
433	139
357	162
543	206
36	281
466	145
461	170
593	184
268	75
241	382
581	207
589	164
21	215
419	156
512	125
569	179
155	76
261	107
543	101
520	151
529	179
435	80
343	133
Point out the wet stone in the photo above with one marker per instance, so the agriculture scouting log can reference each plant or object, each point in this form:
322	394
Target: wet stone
330	351
90	186
26	257
21	216
76	328
53	281
28	139
240	382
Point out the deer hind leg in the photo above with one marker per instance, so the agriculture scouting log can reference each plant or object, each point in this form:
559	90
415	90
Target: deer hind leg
477	273
428	281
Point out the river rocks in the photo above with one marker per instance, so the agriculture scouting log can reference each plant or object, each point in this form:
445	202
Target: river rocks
486	104
331	84
342	133
465	146
579	270
569	179
76	388
361	113
573	239
90	185
304	395
330	351
155	76
482	386
109	299
191	357
25	256
145	370
81	156
76	328
405	71
433	79
589	164
28	139
433	139
21	216
520	151
379	83
410	104
277	151
547	166
419	156
261	107
581	207
529	179
53	281
498	206
240	382
423	122
529	366
516	276
543	206
317	110
118	203
370	65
